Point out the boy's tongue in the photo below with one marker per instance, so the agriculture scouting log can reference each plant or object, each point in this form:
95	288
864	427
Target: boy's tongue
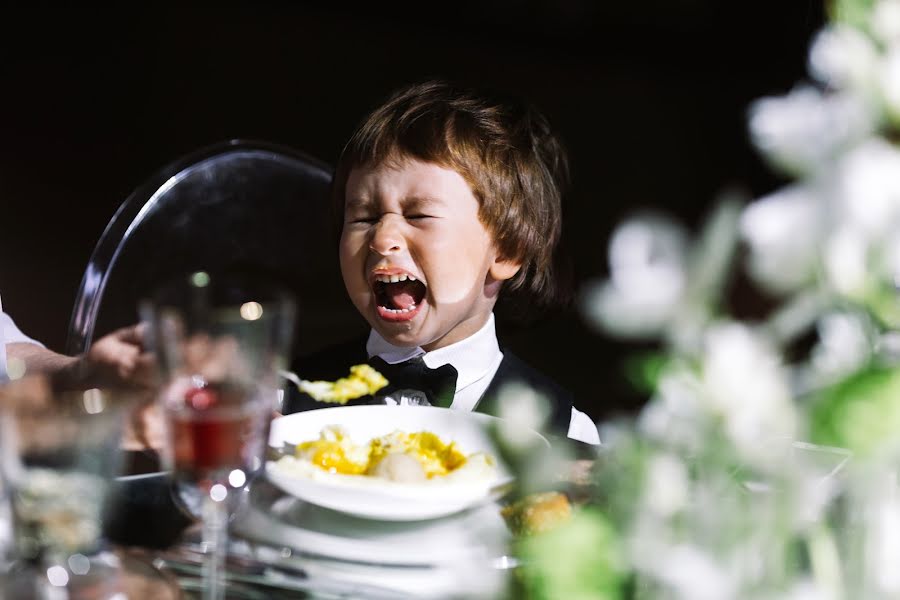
403	294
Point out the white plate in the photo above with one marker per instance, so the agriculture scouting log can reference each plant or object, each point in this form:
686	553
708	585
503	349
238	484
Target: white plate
374	498
277	519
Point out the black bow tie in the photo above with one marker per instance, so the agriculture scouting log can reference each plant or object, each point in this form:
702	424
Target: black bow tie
438	385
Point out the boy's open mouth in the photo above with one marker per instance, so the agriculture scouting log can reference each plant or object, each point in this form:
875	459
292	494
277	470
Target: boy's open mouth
399	294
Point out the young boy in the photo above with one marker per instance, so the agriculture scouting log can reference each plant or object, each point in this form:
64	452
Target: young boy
447	198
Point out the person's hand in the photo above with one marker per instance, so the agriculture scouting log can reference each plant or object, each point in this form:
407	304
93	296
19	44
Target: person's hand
145	429
118	359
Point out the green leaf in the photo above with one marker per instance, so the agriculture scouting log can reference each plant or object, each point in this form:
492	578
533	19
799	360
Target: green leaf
851	12
642	371
579	560
881	300
861	413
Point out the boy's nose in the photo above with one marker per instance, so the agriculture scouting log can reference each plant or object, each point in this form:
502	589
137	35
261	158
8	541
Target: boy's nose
386	239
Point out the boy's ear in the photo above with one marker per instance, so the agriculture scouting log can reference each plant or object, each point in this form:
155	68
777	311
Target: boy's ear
503	269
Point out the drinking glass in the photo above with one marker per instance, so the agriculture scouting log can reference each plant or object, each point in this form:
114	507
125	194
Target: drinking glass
59	453
220	341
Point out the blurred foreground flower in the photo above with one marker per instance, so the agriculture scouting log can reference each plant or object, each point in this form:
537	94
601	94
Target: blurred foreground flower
764	464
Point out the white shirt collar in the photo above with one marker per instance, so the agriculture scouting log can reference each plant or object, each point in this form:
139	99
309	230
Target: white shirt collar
472	357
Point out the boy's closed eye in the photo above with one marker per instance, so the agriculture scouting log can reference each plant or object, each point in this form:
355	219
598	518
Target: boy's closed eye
361	214
421	208
362	219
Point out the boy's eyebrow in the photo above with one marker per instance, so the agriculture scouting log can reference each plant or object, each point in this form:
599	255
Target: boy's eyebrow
408	202
418	201
358	203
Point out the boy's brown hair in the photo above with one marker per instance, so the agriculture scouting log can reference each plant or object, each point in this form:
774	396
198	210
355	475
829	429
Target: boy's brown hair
503	148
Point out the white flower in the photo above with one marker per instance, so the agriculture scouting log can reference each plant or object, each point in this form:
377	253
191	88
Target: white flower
647	278
816	475
666	485
521	409
676	416
883	544
869	187
694	575
784	234
808	590
891	259
745	383
800	132
679	391
842	57
845	262
844	345
890	81
885	21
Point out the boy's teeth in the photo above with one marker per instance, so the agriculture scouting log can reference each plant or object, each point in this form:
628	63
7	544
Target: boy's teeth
394	278
398	311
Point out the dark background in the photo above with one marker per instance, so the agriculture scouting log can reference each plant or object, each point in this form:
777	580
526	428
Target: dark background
650	98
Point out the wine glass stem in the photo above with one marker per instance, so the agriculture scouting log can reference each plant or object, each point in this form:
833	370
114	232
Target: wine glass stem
215	538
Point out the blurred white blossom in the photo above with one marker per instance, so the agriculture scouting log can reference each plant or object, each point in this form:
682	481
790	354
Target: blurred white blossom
801	132
522	410
891	258
890	82
845	345
884	549
694	574
666	485
845	262
885	21
807	590
647	278
784	233
745	382
675	413
842	56
755	428
869	188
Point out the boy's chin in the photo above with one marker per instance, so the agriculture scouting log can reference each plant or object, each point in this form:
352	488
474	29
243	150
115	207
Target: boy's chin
401	335
396	338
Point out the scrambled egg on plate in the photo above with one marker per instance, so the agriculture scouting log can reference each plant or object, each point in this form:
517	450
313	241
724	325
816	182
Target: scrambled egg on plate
398	456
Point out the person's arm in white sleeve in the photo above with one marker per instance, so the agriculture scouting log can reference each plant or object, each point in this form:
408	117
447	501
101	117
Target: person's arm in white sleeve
11	334
117	359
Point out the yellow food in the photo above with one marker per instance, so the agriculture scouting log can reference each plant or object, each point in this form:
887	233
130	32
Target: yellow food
537	512
335	452
362	381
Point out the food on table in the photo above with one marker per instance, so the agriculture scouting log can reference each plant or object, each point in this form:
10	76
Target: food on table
537	513
404	457
362	381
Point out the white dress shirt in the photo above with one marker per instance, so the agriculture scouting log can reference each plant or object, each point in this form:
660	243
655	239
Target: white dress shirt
476	360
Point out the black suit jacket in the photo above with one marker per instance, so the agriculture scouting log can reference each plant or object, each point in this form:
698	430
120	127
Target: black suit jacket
335	362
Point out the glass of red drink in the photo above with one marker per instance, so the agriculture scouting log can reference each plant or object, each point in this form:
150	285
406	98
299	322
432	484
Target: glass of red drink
220	341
